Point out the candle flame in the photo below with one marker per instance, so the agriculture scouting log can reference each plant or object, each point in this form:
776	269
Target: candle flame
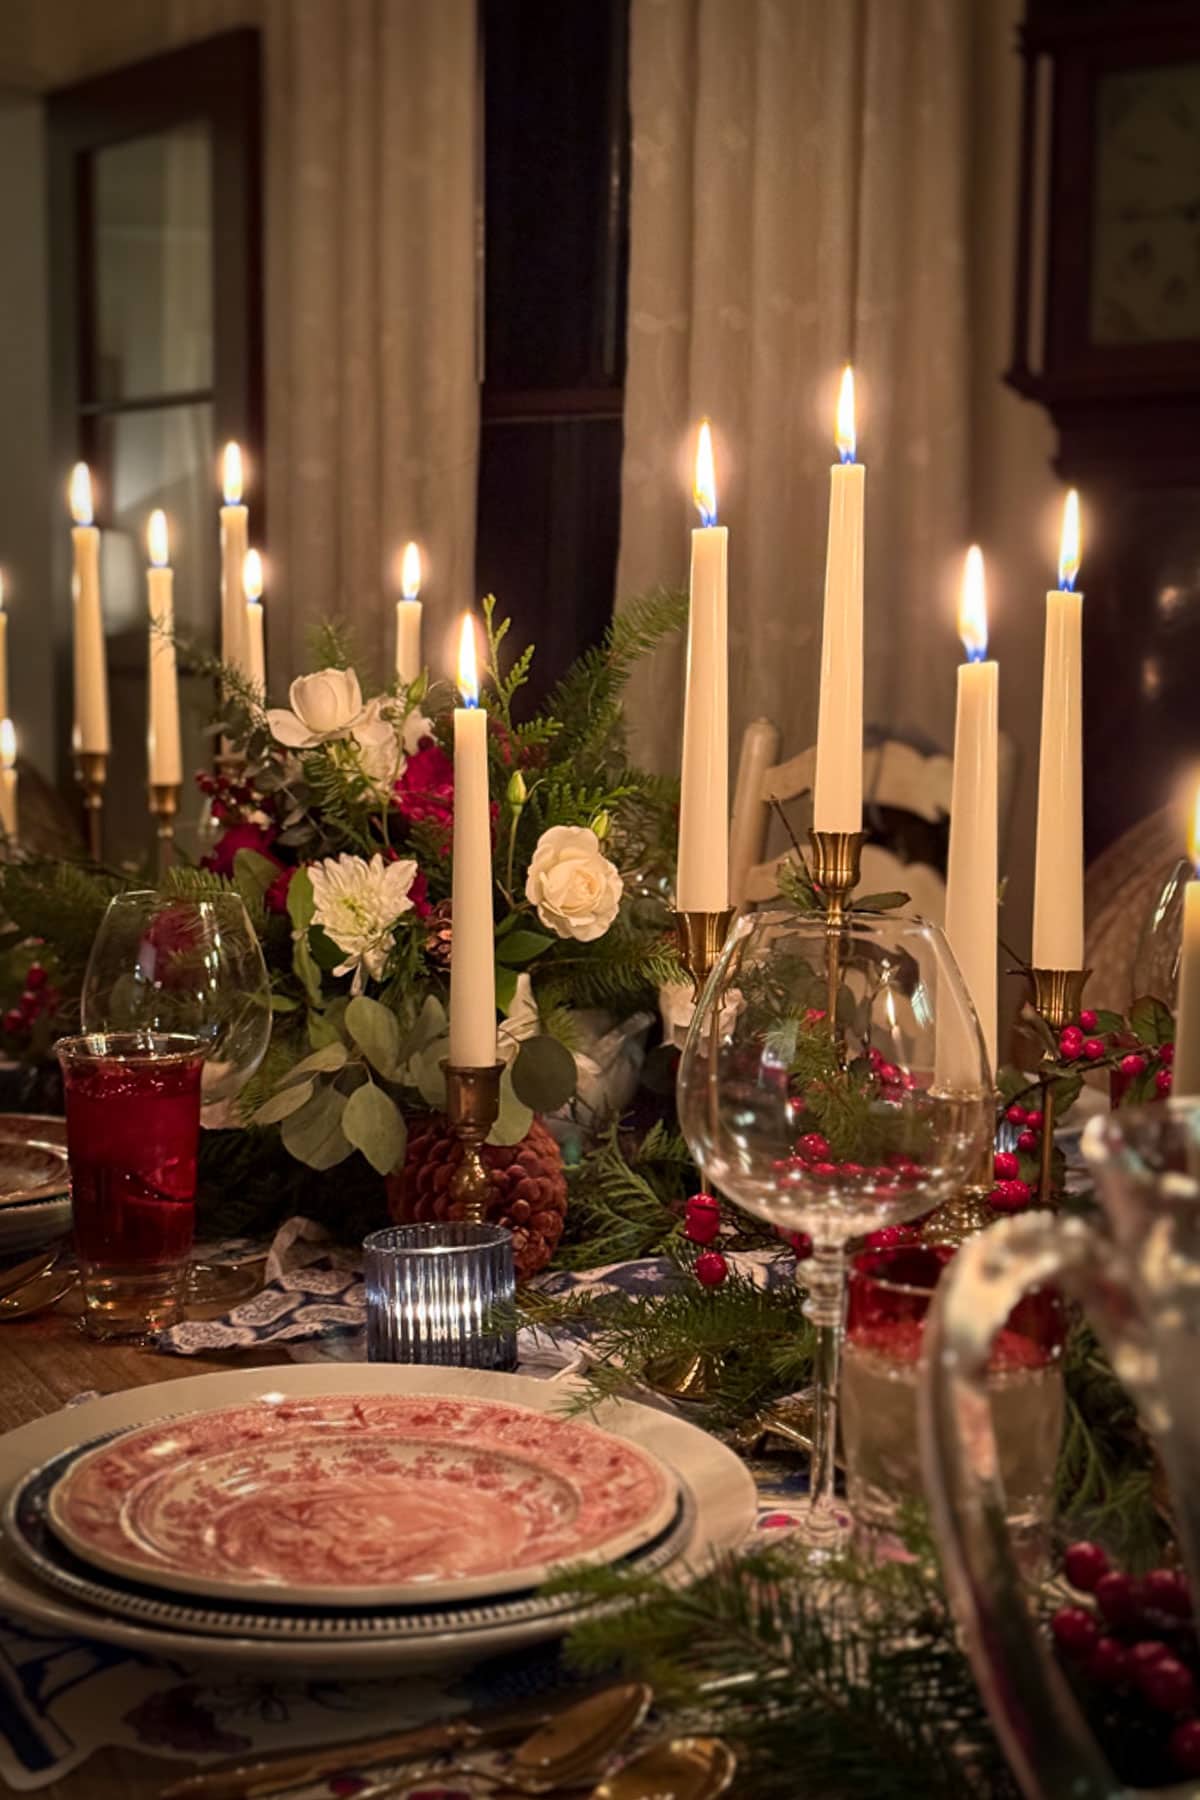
1194	835
972	607
156	539
231	474
844	432
468	674
252	576
1068	554
704	487
81	494
8	744
410	572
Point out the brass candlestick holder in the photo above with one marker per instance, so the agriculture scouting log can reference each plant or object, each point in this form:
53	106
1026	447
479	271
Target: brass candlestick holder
700	938
164	806
472	1107
91	772
1057	998
836	860
968	1213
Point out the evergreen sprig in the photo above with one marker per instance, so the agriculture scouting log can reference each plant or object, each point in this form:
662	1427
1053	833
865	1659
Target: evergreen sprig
625	1203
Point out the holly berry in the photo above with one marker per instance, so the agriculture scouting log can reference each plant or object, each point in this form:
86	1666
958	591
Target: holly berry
889	1074
1028	1141
1094	1048
702	1221
814	1014
1075	1630
1088	1019
1035	1118
801	1243
1015	1114
888	1236
1005	1166
1117	1597
1133	1064
1108	1664
853	1168
1167	1684
1144	1654
1165	1053
1084	1564
824	1170
1163	1081
30	1004
1184	1746
813	1147
711	1268
35	977
14	1022
1010	1196
1167	1591
1070	1042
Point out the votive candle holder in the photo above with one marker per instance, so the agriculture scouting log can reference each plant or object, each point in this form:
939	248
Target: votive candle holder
434	1292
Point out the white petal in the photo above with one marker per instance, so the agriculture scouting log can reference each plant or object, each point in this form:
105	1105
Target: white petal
288	729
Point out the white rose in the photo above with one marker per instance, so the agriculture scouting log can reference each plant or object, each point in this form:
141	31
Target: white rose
328	704
575	889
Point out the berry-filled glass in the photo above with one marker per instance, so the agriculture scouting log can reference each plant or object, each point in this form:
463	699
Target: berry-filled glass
133	1127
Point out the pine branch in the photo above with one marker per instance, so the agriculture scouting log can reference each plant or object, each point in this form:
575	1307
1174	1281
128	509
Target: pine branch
623	1207
587	698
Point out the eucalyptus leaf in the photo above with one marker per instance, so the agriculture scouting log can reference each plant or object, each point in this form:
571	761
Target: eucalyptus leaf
306	969
301	902
322	1029
521	947
323	1061
543	1074
287	1101
314	1134
376	1031
514	1119
506	988
283	1003
426	1075
373	1125
430	1025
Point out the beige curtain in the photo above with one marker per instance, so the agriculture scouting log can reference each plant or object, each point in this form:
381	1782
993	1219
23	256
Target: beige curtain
798	198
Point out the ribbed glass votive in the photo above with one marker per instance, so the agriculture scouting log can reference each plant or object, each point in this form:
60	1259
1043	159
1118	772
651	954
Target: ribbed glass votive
431	1293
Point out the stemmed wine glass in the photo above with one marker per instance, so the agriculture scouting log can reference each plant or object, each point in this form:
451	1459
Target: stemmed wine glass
837	1125
194	969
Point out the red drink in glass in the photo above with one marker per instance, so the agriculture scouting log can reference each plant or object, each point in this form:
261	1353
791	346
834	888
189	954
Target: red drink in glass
133	1126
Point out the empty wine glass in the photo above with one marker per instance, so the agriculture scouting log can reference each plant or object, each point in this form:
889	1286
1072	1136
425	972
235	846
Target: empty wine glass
163	964
834	1125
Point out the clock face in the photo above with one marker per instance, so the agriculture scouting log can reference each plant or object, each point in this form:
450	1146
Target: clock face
1145	284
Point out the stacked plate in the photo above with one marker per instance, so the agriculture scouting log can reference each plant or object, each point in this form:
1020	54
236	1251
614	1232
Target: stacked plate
35	1205
348	1518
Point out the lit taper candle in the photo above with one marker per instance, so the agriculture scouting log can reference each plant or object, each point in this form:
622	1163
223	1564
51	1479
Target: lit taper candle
1186	1068
162	734
1058	871
702	879
837	787
8	779
408	617
971	872
235	528
473	953
91	675
252	588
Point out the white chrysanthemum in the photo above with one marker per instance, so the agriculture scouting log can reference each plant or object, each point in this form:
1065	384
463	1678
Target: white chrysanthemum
575	888
357	904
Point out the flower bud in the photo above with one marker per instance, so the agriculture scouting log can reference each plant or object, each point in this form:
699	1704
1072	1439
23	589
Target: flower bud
518	793
600	825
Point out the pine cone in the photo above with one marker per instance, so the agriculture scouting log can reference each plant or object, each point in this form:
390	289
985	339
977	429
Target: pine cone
439	934
528	1187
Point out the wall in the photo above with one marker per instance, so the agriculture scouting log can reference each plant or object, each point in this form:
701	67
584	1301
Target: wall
1015	497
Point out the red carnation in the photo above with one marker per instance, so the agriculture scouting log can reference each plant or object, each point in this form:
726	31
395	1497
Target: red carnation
425	791
418	893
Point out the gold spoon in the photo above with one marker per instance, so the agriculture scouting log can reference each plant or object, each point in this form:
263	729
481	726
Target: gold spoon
563	1752
36	1295
17	1274
695	1768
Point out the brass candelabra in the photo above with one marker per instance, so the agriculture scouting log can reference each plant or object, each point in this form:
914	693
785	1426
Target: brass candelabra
164	807
91	772
1057	998
700	938
472	1107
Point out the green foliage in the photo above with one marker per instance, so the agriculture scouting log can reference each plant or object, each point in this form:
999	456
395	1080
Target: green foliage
622	967
62	902
587	701
626	1198
1105	1476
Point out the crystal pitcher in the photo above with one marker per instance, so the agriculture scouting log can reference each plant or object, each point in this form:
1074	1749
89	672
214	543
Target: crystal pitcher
1137	1275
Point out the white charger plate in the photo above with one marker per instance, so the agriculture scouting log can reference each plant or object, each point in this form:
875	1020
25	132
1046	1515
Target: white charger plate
721	1486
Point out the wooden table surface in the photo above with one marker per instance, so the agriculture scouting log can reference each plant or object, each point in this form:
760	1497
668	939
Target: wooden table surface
44	1362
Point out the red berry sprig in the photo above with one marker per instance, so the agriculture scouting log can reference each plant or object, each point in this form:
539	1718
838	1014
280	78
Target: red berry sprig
711	1268
38	996
702	1219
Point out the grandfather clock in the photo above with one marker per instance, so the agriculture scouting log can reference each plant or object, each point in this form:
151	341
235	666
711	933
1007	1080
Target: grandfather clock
1107	338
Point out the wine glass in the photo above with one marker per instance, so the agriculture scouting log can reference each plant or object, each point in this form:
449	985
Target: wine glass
161	964
834	1080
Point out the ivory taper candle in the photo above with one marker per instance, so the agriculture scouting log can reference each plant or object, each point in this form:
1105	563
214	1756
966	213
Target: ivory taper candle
1186	1068
8	779
235	529
1058	871
837	785
256	655
3	652
702	877
91	676
408	617
473	953
971	872
162	735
